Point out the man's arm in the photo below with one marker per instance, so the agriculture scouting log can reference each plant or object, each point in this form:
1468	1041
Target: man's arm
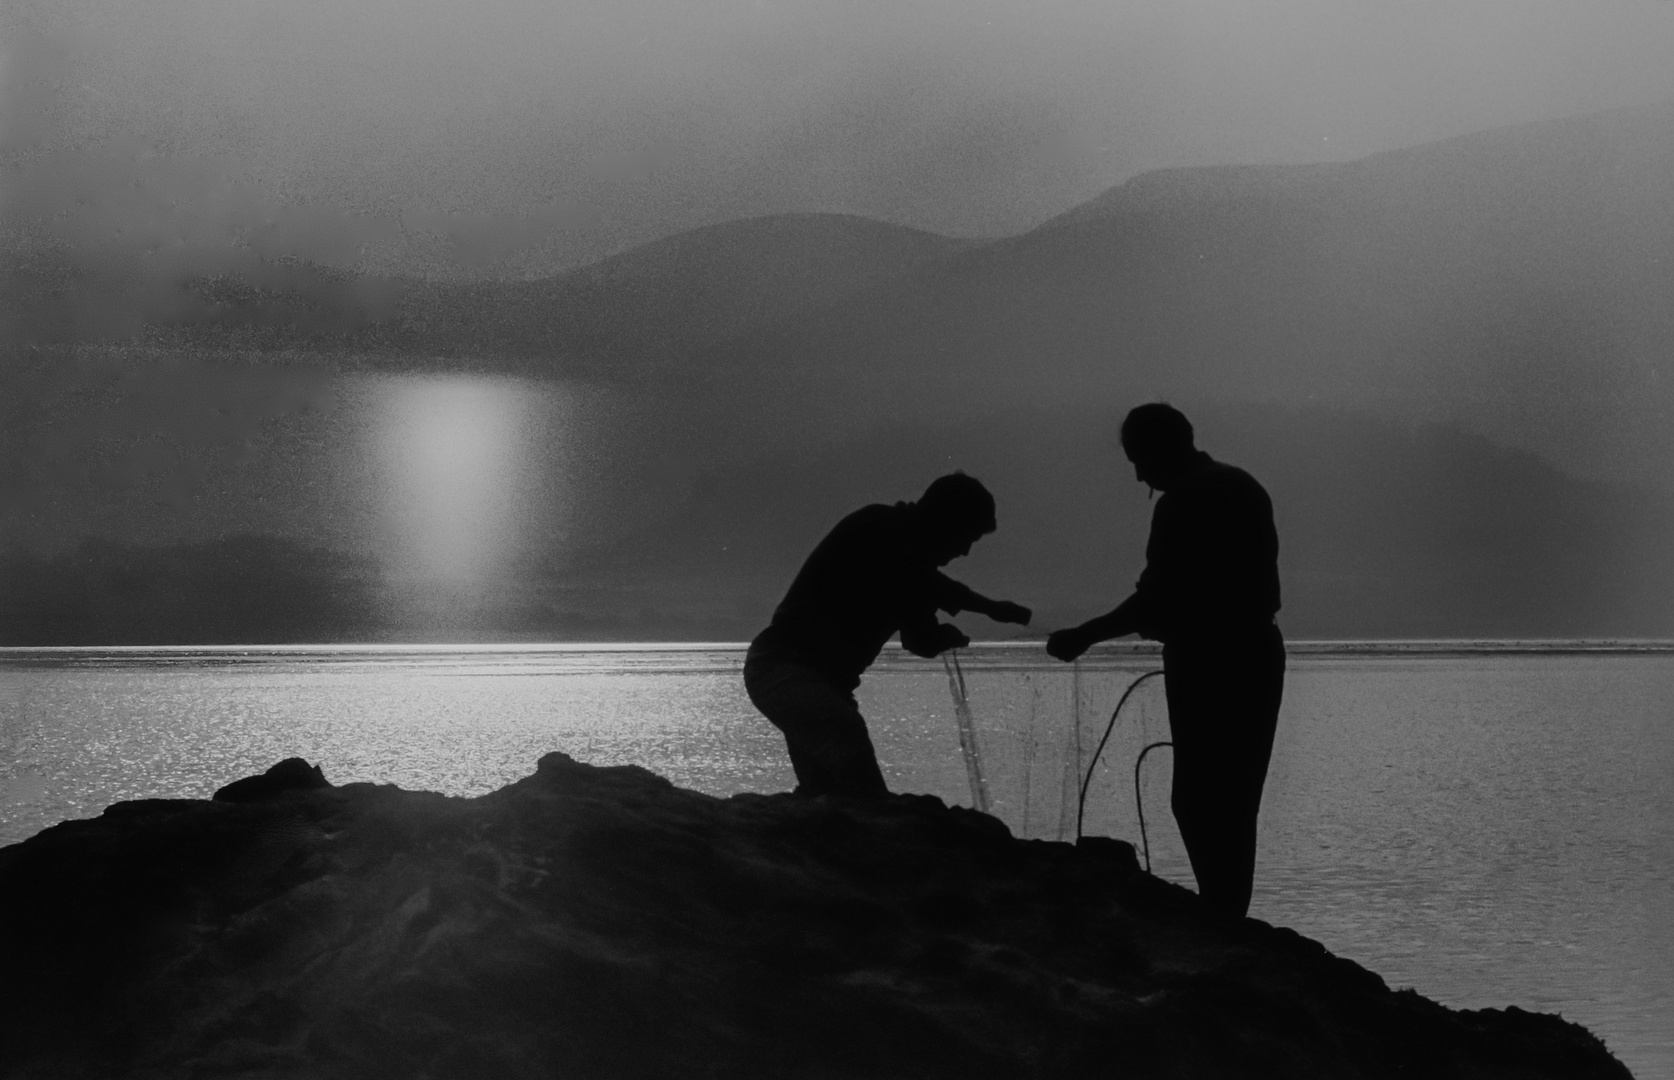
953	597
1141	612
1125	618
924	635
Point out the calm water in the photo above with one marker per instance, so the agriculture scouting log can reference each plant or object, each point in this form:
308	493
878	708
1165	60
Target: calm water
1490	828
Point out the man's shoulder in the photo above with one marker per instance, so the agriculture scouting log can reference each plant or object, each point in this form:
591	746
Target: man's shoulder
873	516
1219	482
881	511
867	527
1224	474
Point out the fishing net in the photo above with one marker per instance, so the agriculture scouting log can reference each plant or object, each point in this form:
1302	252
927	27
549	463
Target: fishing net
1030	737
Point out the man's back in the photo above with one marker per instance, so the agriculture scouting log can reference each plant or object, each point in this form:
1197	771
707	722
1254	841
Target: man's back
1212	559
851	595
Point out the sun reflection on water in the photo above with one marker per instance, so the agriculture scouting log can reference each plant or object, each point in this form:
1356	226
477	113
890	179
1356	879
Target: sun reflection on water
459	458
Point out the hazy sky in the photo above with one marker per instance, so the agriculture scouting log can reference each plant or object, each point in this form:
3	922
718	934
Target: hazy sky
605	123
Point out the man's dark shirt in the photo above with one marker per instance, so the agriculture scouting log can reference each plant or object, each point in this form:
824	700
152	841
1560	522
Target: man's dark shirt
1212	563
868	579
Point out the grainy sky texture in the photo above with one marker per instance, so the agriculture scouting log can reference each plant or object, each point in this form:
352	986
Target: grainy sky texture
600	124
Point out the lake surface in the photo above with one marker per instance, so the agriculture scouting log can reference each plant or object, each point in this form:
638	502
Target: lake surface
1486	825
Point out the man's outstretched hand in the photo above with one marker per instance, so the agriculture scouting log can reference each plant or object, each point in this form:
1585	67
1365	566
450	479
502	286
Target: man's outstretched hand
1006	611
951	638
1066	645
934	642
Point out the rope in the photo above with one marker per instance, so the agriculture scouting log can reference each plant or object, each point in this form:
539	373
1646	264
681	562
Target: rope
1086	781
967	731
1140	802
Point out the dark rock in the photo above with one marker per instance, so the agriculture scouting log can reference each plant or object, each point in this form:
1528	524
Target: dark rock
292	774
589	922
1119	851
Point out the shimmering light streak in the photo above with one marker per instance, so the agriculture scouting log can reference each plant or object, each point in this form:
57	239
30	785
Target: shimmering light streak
459	460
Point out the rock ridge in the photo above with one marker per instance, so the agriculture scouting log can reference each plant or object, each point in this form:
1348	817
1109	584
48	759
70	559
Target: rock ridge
601	922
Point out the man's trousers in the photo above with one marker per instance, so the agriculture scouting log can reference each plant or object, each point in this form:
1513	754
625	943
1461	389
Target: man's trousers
825	734
1223	709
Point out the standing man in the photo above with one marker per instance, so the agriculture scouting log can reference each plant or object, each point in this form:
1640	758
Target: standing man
877	573
1209	593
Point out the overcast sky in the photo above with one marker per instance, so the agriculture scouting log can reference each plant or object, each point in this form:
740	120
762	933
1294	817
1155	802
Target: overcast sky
607	123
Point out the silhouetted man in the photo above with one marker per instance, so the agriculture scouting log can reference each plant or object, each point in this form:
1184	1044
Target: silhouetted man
1209	593
877	573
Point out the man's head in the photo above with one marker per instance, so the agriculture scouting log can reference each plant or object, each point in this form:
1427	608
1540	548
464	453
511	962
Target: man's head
1158	440
957	511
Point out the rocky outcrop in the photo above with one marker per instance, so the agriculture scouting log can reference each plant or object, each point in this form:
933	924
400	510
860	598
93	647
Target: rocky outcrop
587	922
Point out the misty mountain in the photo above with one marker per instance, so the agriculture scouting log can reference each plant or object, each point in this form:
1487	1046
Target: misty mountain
1519	282
1447	364
646	307
667	299
227	299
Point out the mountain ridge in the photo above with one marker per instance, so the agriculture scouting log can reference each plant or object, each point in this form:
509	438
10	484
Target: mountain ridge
1529	307
681	293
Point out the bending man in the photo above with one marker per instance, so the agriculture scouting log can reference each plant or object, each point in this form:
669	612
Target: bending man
1209	593
877	573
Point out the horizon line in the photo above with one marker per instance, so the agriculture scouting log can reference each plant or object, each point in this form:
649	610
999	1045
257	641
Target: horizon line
1302	646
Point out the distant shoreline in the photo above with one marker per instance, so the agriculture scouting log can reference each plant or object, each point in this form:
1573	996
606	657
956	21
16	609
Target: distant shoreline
981	652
